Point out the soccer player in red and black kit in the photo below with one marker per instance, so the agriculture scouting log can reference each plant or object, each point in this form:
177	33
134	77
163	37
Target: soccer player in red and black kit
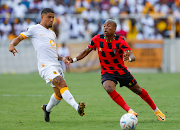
113	51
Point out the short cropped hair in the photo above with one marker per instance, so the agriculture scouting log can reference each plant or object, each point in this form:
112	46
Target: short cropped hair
112	21
46	10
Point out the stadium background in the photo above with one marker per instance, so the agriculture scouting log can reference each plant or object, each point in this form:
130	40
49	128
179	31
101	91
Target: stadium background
151	28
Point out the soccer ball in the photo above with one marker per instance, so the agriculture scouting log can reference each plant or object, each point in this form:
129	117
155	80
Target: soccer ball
128	121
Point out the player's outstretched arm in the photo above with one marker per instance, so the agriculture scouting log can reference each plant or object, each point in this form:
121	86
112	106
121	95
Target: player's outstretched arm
128	56
14	43
83	54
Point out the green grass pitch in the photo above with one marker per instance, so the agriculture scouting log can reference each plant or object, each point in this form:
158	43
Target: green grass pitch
21	97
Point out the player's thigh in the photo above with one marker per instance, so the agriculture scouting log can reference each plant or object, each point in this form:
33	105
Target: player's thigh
136	89
109	85
109	82
126	79
51	73
59	82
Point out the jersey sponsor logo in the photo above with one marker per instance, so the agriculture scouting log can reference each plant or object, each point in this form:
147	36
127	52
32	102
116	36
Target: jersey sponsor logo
42	34
52	42
52	47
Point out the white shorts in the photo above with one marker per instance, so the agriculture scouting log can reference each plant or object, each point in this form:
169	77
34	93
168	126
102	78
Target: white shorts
50	72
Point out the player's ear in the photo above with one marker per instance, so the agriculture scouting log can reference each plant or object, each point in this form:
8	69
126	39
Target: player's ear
115	29
42	16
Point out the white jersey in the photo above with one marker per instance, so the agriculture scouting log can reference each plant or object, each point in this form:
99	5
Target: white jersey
43	40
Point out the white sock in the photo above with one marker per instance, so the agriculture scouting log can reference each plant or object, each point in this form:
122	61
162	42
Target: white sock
155	109
67	96
52	102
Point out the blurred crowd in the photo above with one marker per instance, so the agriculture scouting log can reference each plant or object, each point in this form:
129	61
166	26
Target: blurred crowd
82	19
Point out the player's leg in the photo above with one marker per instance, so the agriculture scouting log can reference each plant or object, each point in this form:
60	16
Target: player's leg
54	100
60	83
145	96
109	86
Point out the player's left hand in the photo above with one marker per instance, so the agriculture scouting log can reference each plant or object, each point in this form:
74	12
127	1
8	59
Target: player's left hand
12	49
126	56
66	62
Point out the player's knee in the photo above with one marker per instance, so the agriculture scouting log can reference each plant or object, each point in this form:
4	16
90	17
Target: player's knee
137	90
108	88
58	95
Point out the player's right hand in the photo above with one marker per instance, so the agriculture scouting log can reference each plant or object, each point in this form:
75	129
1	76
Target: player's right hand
12	49
69	59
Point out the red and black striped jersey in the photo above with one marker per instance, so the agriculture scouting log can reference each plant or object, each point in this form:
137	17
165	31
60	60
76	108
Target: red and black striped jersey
110	53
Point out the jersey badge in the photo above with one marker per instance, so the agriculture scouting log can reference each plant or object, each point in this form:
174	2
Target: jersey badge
54	72
114	51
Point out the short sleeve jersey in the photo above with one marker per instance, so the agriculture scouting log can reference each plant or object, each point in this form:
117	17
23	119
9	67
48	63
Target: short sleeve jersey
110	53
43	40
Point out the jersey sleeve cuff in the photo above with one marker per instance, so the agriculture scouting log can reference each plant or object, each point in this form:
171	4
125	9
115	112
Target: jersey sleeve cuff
23	36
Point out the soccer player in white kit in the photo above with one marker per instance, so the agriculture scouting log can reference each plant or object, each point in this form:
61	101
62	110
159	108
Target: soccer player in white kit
43	40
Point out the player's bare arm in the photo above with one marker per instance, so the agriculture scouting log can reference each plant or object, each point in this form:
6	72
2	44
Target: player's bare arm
128	56
14	43
83	54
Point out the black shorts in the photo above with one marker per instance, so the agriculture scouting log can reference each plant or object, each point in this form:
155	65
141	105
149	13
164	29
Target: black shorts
124	80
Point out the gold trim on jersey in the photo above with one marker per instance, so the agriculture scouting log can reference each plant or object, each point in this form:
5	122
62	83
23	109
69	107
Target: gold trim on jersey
23	36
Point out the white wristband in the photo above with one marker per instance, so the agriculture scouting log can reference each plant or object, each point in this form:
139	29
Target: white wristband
74	60
129	59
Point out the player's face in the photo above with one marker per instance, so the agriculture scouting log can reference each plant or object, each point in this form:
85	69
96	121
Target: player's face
109	28
48	19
